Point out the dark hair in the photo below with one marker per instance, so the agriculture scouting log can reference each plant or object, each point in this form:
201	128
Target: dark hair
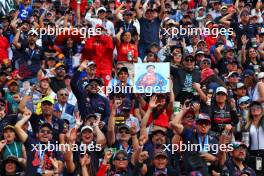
123	34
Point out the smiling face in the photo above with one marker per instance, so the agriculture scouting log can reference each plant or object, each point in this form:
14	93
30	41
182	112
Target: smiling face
87	136
120	162
44	135
10	167
160	162
158	138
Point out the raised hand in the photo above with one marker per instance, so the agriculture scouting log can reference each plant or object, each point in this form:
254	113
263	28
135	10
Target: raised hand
2	144
27	114
143	156
85	160
54	163
153	102
244	40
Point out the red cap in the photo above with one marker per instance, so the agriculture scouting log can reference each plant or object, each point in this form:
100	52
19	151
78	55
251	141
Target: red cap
206	73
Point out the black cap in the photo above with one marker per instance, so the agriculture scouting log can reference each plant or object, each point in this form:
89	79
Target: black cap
123	126
123	69
45	124
98	80
126	104
255	103
3	101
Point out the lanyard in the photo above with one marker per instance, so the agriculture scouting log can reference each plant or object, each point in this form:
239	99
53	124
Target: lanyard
10	150
126	27
204	144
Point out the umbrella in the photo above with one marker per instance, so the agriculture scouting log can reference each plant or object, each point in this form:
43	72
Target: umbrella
74	34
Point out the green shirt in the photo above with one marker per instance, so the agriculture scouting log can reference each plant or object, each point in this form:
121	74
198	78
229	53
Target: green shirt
14	149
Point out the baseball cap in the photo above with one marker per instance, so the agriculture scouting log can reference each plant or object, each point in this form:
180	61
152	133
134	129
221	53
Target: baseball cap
206	73
126	104
199	52
253	103
100	9
123	126
161	153
95	80
60	65
261	75
237	144
243	99
123	69
203	116
47	99
221	89
206	59
240	85
201	41
232	73
208	22
11	82
91	63
223	7
248	72
158	129
86	127
45	124
9	127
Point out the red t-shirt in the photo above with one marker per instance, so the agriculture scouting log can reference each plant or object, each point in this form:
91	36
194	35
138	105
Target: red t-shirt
123	49
4	45
162	120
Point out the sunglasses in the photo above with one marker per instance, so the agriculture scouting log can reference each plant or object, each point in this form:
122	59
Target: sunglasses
124	131
128	14
189	60
203	122
189	117
45	131
64	95
245	103
121	158
221	93
205	63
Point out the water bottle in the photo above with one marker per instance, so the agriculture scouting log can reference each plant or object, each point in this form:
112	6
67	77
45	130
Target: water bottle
129	56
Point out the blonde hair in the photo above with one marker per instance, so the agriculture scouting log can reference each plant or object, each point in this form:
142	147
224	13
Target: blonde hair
249	120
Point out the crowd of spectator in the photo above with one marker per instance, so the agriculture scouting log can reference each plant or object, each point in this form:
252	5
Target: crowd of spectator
57	119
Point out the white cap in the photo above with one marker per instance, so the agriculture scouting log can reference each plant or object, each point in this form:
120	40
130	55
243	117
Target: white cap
86	127
99	9
261	75
243	99
91	63
221	89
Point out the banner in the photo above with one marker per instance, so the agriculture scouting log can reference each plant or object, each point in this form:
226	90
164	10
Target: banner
5	6
152	78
